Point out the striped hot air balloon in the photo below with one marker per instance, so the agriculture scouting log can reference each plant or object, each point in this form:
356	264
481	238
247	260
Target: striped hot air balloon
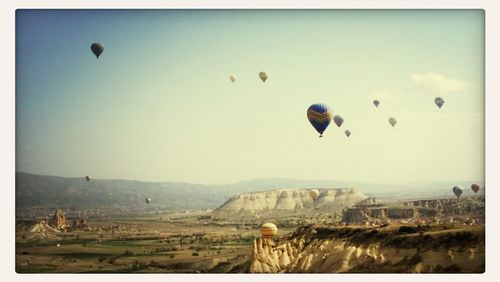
319	116
268	230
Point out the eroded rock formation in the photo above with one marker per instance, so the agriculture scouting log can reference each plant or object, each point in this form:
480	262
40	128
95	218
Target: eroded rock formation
369	210
58	220
80	223
323	250
331	200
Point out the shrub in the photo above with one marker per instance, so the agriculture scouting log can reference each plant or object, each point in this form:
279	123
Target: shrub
138	265
406	229
112	259
128	253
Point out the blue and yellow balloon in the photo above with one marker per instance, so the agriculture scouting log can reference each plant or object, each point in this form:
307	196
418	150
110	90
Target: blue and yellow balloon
320	116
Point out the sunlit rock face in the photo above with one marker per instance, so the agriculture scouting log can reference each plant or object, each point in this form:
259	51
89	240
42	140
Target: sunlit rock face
58	220
325	250
292	200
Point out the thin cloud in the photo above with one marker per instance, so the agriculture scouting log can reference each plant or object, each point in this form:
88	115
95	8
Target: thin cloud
438	83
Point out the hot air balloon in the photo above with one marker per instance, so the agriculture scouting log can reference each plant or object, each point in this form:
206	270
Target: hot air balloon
268	230
439	101
87	178
457	190
97	48
147	200
232	78
392	121
319	116
475	187
314	194
376	102
338	120
347	133
263	76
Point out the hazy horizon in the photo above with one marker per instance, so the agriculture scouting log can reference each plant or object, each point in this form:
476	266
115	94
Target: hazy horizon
158	104
389	182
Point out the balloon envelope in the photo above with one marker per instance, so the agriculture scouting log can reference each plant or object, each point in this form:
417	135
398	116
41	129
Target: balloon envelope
97	48
319	115
87	178
439	101
376	102
392	121
314	194
268	230
348	133
232	78
263	76
147	200
475	187
338	120
457	190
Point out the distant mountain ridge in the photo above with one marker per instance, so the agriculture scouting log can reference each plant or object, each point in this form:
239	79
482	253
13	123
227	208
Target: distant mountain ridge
34	190
50	191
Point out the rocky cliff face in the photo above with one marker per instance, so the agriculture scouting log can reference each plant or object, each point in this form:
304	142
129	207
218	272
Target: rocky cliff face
290	200
368	210
326	250
367	201
452	206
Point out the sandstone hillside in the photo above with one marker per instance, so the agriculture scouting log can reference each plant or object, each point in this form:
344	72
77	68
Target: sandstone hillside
331	200
391	249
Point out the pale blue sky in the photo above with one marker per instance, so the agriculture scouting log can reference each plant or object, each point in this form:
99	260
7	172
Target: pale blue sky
158	104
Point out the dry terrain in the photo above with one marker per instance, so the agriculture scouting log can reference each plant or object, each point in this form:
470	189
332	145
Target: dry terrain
175	243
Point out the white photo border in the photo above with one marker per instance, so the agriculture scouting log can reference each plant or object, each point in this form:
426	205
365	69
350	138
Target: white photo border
7	131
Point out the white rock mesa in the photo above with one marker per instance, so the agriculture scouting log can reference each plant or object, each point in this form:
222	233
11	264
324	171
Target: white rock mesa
332	200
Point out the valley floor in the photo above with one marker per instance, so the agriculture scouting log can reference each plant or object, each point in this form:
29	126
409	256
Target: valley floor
181	245
186	244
